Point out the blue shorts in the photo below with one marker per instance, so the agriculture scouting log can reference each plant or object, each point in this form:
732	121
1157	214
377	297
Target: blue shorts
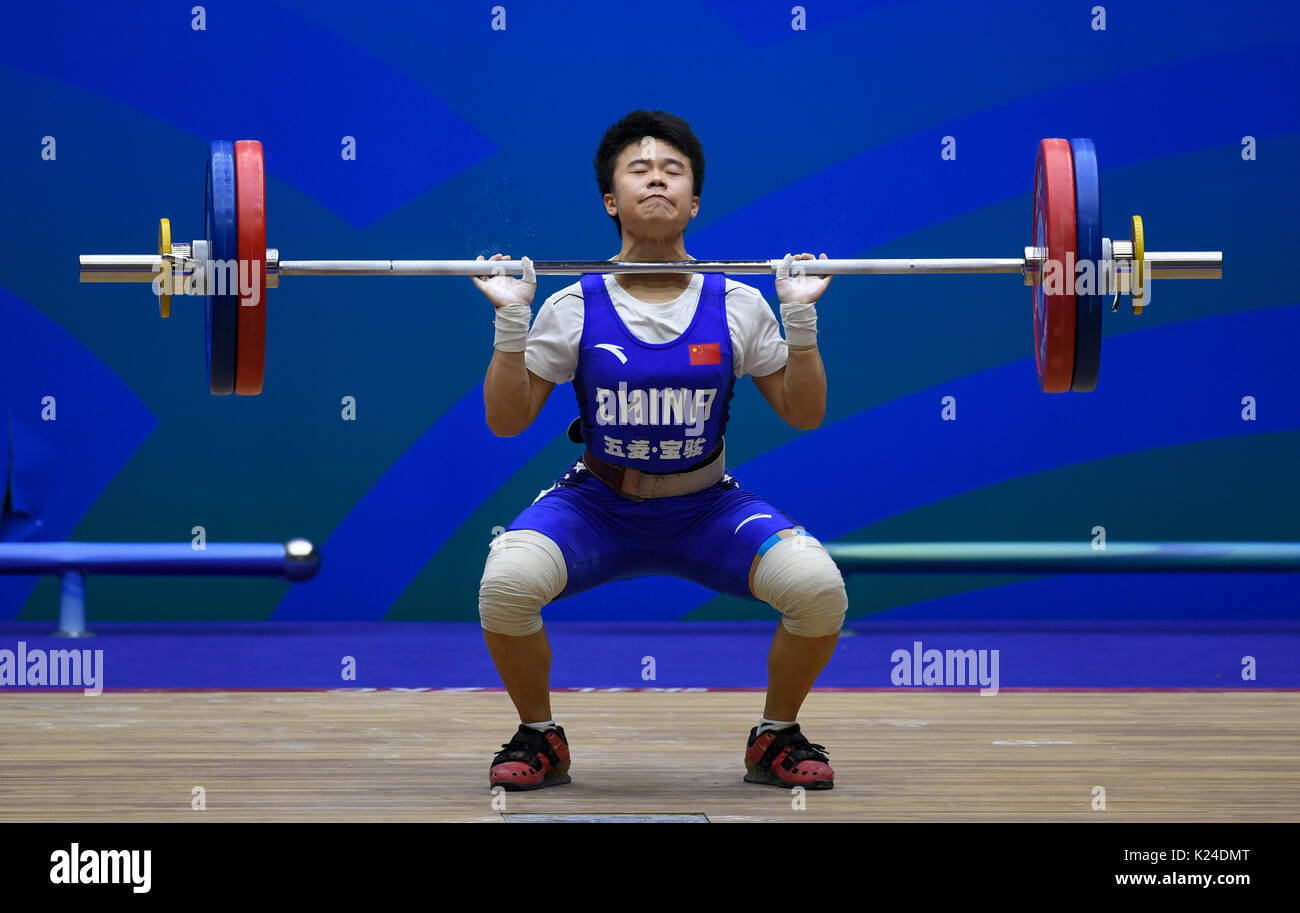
710	537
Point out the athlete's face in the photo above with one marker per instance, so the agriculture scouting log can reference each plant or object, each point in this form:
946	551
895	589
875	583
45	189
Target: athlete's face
652	195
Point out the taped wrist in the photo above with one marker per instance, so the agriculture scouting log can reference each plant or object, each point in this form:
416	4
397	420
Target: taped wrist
800	322
512	327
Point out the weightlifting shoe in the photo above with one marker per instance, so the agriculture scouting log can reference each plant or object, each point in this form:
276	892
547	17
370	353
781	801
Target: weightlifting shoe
532	760
786	758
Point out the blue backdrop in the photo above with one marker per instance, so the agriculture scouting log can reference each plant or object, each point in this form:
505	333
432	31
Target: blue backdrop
472	139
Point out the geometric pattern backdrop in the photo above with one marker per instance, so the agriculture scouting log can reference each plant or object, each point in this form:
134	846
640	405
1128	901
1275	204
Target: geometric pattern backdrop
471	140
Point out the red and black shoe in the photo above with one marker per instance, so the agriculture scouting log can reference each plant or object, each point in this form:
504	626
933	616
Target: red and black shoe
786	758
532	760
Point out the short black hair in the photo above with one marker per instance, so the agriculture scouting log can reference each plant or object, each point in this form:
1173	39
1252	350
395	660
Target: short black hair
632	129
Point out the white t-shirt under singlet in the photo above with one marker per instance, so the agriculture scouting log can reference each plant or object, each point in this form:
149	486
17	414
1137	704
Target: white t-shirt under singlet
756	342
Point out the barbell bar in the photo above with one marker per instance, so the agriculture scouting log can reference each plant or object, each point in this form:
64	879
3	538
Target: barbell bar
1069	267
145	267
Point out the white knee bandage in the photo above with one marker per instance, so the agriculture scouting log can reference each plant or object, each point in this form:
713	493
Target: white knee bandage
801	581
525	570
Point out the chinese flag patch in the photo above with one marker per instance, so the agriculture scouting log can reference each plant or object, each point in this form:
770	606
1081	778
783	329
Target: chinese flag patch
706	353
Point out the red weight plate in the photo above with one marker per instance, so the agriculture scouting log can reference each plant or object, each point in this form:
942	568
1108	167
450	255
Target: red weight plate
1055	317
250	193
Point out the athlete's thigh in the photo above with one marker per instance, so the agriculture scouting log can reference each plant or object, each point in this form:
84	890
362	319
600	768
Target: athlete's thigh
719	548
589	523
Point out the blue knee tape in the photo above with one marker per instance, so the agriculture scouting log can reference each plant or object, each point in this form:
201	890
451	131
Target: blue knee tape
775	538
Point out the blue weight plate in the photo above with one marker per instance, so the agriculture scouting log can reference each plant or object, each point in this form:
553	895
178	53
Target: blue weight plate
1087	336
222	320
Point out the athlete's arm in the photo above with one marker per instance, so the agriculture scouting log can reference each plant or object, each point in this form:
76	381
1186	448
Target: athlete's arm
809	399
512	395
798	391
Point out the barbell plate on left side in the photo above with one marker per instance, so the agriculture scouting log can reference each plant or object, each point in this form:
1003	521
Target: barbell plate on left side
222	311
1055	232
165	248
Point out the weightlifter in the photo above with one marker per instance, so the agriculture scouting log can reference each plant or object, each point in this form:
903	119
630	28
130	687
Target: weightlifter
654	359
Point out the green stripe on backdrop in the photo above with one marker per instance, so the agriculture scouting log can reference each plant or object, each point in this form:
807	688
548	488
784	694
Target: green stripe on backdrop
1232	489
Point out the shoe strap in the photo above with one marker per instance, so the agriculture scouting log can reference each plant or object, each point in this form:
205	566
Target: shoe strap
526	745
800	748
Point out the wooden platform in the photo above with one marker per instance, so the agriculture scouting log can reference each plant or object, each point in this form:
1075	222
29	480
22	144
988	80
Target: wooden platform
898	756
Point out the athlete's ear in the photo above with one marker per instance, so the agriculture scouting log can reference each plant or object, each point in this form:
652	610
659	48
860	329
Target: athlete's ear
610	206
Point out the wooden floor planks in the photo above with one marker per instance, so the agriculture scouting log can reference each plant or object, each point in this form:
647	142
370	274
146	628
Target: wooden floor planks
402	756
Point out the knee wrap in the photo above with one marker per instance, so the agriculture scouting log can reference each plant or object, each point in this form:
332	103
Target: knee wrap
801	581
525	570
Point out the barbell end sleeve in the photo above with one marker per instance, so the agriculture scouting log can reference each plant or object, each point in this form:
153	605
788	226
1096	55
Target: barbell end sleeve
1198	264
119	267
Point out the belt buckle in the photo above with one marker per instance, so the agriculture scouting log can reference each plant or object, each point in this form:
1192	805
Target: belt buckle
622	490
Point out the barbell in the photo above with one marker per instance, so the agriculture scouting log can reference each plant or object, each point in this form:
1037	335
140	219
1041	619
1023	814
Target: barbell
1069	266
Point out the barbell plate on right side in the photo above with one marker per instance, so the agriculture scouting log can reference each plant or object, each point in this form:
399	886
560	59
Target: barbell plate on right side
222	311
250	187
1137	271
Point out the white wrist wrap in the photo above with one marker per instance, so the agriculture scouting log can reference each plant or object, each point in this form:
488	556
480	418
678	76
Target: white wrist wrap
800	322
512	327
